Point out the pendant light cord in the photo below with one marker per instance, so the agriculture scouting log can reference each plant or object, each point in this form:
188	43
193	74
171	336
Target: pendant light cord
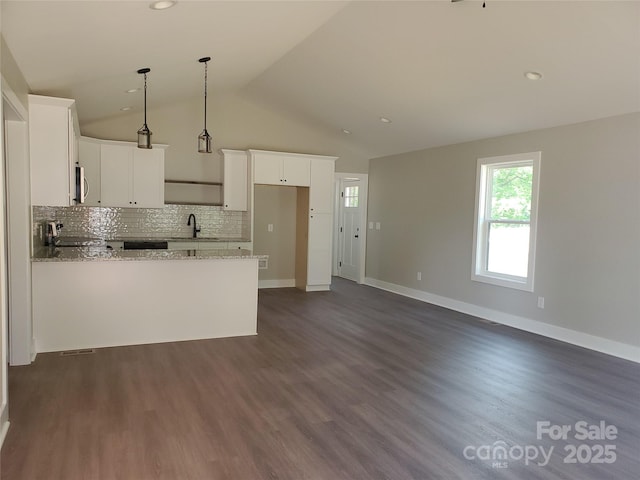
205	96
145	99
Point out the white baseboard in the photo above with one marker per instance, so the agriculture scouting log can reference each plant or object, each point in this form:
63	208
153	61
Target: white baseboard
318	288
280	283
574	337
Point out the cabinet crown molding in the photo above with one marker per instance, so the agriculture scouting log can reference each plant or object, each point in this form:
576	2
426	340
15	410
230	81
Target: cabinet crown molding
269	153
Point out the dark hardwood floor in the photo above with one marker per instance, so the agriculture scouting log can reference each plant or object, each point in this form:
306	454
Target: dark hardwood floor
351	384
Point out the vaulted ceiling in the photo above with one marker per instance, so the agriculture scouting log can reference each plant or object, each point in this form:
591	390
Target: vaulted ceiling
442	72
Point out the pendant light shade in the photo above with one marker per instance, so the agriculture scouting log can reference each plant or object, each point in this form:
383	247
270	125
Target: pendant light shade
144	134
204	139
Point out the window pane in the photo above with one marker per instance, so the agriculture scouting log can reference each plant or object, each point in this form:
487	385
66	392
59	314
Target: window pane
511	193
351	196
508	249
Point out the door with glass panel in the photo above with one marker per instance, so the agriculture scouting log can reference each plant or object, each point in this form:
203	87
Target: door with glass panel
350	234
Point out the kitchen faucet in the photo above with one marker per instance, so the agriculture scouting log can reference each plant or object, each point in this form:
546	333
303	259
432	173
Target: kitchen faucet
195	229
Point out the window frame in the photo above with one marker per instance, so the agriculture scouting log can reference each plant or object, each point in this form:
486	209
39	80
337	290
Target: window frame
480	272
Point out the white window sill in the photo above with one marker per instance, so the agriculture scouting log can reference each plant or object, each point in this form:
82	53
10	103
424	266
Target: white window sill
503	281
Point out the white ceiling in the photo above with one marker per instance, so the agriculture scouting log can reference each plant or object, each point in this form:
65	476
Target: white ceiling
442	72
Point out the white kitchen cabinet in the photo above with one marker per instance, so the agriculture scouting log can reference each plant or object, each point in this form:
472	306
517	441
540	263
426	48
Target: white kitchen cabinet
280	168
131	177
116	175
110	303
314	209
319	251
320	224
148	178
314	227
53	137
235	180
321	188
89	158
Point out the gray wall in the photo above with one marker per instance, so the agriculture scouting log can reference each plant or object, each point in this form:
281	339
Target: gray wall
588	247
12	74
277	206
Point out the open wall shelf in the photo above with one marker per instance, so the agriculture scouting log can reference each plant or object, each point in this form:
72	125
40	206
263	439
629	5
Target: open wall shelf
193	182
192	192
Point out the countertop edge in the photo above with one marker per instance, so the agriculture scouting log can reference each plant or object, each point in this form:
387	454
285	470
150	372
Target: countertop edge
79	254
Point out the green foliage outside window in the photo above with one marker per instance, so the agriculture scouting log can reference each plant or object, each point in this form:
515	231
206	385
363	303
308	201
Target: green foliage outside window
511	193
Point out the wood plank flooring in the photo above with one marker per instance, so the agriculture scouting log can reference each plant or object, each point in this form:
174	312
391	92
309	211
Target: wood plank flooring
350	384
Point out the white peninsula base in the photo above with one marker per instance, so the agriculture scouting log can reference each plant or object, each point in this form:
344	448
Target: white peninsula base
90	304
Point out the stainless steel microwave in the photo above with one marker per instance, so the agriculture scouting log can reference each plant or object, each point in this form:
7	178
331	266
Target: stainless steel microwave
82	186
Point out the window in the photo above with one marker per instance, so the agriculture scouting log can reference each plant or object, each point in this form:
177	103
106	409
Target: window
506	213
351	197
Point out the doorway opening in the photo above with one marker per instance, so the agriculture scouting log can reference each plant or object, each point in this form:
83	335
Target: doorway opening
350	232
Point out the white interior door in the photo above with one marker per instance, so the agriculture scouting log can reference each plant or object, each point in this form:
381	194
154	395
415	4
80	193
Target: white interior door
351	234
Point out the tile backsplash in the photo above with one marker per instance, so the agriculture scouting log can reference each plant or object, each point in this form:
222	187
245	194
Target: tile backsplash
110	223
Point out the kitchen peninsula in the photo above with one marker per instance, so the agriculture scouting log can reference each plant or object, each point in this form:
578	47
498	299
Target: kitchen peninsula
96	297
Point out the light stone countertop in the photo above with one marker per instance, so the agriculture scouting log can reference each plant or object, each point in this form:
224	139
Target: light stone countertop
83	254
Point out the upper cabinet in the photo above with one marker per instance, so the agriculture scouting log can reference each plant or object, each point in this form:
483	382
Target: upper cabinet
148	178
322	185
119	174
235	180
53	141
280	168
116	174
131	177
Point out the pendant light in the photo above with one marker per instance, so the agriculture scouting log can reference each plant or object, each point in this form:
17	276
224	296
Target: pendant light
144	134
204	139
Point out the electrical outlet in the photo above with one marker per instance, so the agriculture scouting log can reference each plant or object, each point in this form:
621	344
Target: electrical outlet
419	275
270	227
540	302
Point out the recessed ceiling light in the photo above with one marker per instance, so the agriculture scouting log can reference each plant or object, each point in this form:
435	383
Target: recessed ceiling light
533	75
133	90
162	4
346	132
125	109
385	120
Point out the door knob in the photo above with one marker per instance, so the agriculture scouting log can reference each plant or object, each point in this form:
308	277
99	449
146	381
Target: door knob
356	236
